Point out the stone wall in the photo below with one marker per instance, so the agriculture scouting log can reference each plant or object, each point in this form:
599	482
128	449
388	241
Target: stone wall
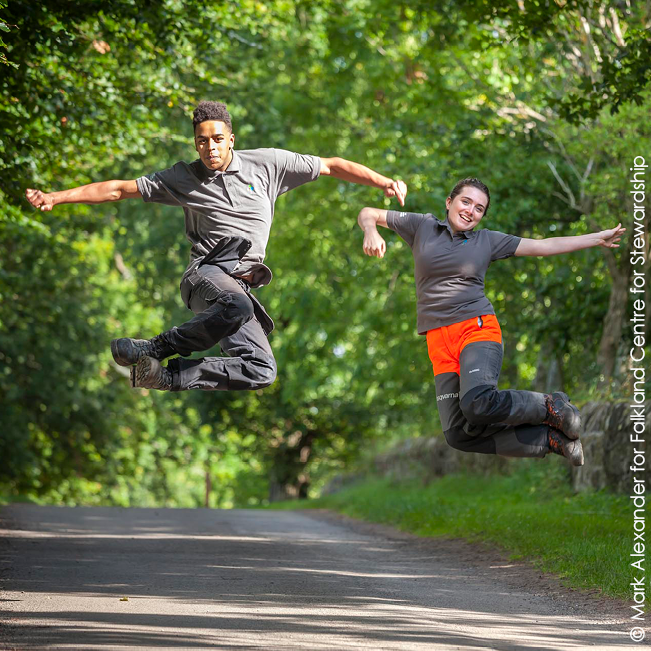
427	458
607	449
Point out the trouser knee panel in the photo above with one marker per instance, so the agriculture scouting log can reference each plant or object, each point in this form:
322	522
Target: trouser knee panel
484	405
227	315
458	439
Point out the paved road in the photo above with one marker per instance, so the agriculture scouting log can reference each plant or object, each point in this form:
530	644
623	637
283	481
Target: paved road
203	579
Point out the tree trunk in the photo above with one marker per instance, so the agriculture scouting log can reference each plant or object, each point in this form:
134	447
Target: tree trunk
613	323
549	370
278	491
289	480
208	486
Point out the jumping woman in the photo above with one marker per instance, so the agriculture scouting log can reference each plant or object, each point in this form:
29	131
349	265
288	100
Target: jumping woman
464	339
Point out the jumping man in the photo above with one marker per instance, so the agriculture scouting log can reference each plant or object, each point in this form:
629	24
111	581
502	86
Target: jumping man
228	198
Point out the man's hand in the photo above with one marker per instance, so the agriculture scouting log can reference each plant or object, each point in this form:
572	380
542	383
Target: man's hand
347	170
396	189
611	237
39	199
374	244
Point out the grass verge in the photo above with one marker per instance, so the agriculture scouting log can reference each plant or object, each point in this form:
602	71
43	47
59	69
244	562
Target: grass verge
532	514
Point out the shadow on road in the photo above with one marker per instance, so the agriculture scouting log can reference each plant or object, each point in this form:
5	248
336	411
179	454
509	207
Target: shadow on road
231	579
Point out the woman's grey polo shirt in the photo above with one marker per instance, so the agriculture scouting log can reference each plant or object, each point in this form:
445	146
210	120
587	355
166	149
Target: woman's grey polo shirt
237	202
449	269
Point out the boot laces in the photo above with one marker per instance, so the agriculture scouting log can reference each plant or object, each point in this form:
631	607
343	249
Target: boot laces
555	442
160	348
553	414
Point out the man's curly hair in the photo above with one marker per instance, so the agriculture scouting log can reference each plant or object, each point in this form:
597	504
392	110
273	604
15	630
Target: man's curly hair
211	111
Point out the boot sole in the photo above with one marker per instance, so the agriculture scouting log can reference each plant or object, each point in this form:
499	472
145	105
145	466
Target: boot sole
146	374
574	431
121	361
574	427
576	458
140	373
571	425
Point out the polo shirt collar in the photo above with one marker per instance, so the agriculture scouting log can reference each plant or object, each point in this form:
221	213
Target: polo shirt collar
234	164
445	224
211	175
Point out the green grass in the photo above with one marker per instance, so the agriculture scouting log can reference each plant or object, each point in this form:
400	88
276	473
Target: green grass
532	514
7	498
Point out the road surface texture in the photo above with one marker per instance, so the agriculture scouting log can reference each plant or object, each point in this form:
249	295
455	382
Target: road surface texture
110	578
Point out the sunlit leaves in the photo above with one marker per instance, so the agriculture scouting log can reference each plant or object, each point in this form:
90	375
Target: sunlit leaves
425	91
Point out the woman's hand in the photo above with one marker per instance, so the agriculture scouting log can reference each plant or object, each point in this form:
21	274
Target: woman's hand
610	237
374	244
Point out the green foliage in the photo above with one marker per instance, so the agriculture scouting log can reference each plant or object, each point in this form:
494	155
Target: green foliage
423	91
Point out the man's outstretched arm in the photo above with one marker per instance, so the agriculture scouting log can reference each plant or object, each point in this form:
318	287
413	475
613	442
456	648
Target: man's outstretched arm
92	193
346	170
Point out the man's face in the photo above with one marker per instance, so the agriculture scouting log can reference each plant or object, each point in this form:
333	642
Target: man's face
466	209
213	142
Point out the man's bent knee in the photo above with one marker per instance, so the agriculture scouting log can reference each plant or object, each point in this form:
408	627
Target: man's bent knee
228	315
253	373
265	374
240	308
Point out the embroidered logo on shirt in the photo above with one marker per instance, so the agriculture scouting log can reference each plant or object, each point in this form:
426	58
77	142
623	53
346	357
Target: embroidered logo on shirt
251	188
474	370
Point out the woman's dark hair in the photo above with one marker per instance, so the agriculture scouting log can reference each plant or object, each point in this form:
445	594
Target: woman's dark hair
211	111
474	183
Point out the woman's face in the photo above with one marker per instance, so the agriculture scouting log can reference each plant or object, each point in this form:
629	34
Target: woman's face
466	209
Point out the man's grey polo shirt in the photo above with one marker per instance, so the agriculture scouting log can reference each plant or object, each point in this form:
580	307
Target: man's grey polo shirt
449	269
236	202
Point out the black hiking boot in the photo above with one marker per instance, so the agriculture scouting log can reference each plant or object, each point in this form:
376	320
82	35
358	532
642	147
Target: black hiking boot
566	447
562	415
127	351
149	373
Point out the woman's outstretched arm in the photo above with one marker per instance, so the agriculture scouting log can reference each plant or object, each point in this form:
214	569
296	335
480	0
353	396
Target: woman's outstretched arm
555	245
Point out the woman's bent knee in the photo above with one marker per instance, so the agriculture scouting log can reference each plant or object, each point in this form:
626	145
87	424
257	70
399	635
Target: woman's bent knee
477	405
456	438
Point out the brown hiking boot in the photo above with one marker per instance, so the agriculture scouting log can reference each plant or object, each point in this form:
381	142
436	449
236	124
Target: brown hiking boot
566	447
149	373
127	351
562	415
